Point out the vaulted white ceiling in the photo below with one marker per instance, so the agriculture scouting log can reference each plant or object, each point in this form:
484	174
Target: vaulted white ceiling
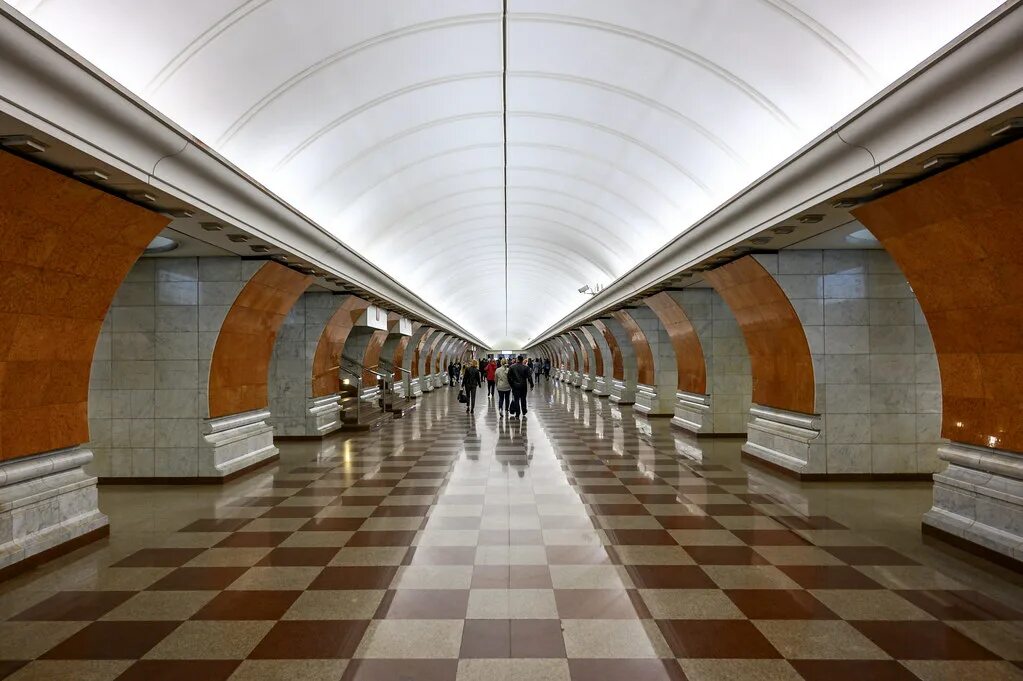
627	120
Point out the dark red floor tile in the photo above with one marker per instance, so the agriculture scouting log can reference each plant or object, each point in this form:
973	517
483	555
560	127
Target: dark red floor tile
258	501
357	500
319	492
366	538
424	604
216	525
779	604
304	640
511	577
620	670
852	670
828	577
603	489
599	604
354	577
247	605
688	522
198	579
299	556
640	538
414	491
619	509
869	555
657	498
813	522
923	640
512	638
332	525
770	538
292	512
729	509
175	670
111	641
8	667
401	670
670	577
960	605
253	539
719	639
75	606
442	555
158	558
725	555
578	555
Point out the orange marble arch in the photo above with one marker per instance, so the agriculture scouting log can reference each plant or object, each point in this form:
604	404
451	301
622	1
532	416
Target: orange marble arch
571	358
371	356
692	370
958	238
325	379
779	353
418	349
66	247
434	346
239	369
617	365
398	359
580	348
598	359
640	346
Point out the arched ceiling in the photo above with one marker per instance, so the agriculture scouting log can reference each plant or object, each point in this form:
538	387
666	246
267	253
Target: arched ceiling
627	120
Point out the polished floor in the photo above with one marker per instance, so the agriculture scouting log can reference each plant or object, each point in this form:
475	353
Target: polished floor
579	544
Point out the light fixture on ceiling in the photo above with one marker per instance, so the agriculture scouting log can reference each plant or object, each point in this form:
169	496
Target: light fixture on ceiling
259	248
211	226
810	219
939	161
783	230
92	175
1010	126
160	244
238	238
760	240
26	144
179	212
142	197
845	203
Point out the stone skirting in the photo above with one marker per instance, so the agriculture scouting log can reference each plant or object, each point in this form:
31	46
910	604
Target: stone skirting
414	388
622	394
979	498
236	442
323	414
693	412
587	383
785	439
649	402
600	387
47	501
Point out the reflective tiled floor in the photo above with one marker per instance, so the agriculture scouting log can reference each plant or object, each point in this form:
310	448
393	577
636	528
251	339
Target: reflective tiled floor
580	544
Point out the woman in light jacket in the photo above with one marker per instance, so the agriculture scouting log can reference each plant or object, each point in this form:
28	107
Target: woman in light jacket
503	388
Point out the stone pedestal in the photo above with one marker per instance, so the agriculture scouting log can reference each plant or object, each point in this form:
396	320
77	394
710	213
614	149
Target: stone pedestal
47	504
234	444
425	384
415	390
600	388
622	394
577	379
693	412
978	499
649	402
785	439
587	383
323	414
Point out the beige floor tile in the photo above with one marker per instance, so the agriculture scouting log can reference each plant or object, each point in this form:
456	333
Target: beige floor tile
219	640
392	524
447	538
375	555
160	605
706	538
351	604
275	524
869	604
511	555
653	555
229	557
121	579
818	640
317	539
433	577
749	522
78	670
513	670
276	578
1004	638
29	640
629	522
607	638
572	538
749	577
512	604
411	639
909	577
193	540
687	604
739	670
588	577
345	512
797	555
973	670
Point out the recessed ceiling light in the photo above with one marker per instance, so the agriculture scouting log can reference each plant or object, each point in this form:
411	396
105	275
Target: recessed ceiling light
810	219
160	244
211	226
179	212
24	143
760	240
92	175
783	230
238	238
1008	127
939	160
845	203
259	249
142	197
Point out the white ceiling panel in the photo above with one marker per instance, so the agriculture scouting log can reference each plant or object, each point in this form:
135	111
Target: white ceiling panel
627	120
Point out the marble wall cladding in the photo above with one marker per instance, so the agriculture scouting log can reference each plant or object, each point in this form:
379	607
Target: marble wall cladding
148	395
585	353
635	338
956	236
326	379
691	369
729	381
419	343
597	358
875	369
429	357
662	352
617	358
66	249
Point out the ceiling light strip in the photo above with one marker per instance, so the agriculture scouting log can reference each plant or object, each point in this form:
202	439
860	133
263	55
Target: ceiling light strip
504	126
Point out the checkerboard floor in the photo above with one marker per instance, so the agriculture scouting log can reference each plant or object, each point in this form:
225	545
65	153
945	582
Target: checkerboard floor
572	545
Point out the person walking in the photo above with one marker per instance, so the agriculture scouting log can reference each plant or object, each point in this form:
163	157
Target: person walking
491	373
503	388
546	370
519	376
470	382
452	374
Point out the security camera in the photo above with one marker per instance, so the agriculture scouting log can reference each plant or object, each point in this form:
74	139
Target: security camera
585	289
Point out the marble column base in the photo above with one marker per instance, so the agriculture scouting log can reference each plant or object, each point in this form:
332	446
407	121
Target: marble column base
600	388
649	402
785	439
323	414
235	443
46	501
577	379
415	390
978	498
425	384
621	393
692	412
587	383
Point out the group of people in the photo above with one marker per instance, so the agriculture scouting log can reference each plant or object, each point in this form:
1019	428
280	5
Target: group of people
510	380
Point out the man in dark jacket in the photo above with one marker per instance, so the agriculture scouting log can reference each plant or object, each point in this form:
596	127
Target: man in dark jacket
519	376
470	382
